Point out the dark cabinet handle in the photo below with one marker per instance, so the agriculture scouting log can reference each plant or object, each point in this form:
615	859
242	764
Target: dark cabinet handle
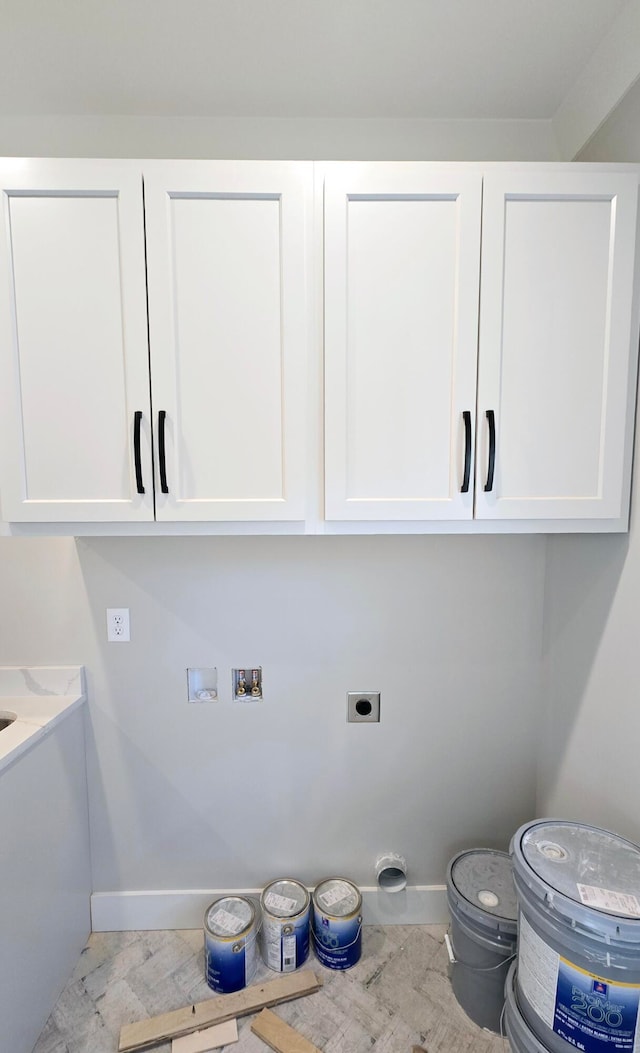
466	416
137	421
162	416
491	420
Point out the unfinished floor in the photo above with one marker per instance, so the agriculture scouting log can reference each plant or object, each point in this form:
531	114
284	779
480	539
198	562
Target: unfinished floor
396	996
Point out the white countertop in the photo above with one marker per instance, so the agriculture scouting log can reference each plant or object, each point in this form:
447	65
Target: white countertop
39	697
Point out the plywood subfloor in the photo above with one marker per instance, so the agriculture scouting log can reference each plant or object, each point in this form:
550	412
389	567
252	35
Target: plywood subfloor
398	995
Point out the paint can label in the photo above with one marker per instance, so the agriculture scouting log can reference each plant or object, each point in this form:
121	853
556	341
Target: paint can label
284	938
285	944
590	1012
337	923
230	966
230	950
338	944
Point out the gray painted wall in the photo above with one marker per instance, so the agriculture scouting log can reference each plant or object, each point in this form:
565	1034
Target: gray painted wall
619	137
449	629
591	727
271	138
589	743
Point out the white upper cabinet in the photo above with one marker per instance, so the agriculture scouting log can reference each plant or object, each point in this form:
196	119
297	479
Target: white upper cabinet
535	415
160	345
227	250
227	281
402	257
74	384
557	345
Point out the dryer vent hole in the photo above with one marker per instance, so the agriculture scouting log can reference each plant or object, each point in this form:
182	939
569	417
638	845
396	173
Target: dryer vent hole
392	879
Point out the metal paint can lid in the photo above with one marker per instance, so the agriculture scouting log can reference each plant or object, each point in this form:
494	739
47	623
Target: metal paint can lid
230	917
284	898
337	898
482	880
592	867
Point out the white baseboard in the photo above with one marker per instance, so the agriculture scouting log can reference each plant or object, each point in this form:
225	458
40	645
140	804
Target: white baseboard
185	909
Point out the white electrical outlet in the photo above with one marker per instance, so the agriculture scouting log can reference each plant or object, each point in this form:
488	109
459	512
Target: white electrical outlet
118	625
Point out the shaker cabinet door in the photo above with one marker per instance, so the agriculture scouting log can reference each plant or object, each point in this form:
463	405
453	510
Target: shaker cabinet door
75	429
402	255
557	349
227	251
158	353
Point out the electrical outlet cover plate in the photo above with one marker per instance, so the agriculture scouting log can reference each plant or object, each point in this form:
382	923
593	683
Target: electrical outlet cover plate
363	707
118	625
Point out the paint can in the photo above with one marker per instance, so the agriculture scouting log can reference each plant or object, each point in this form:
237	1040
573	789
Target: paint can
230	950
337	923
284	937
483	934
519	1035
578	978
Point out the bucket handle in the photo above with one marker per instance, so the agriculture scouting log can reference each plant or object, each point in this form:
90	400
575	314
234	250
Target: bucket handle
248	942
344	947
451	951
503	1033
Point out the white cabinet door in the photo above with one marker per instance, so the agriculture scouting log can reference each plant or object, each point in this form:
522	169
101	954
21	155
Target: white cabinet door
227	256
74	381
557	352
402	254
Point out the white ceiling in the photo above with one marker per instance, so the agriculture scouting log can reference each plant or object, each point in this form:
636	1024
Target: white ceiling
298	58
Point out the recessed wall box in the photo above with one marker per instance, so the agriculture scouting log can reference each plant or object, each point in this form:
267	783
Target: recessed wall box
202	684
247	684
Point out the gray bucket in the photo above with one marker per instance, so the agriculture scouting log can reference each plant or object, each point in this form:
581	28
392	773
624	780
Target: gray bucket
521	1037
578	978
483	934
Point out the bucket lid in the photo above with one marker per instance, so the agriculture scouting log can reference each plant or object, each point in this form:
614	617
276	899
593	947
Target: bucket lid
285	898
594	869
230	916
481	880
337	897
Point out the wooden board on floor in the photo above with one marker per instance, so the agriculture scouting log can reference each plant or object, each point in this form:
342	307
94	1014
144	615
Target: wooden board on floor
147	1033
279	1035
210	1038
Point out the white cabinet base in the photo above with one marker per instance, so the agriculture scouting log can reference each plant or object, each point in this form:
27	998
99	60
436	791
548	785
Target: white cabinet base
46	879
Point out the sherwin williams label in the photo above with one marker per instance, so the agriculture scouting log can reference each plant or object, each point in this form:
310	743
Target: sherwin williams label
230	966
594	1014
338	893
605	899
280	903
588	1011
285	944
223	921
338	943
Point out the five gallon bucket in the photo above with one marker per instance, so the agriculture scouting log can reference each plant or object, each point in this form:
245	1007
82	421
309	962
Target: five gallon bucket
521	1037
337	923
578	976
230	931
284	937
483	937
